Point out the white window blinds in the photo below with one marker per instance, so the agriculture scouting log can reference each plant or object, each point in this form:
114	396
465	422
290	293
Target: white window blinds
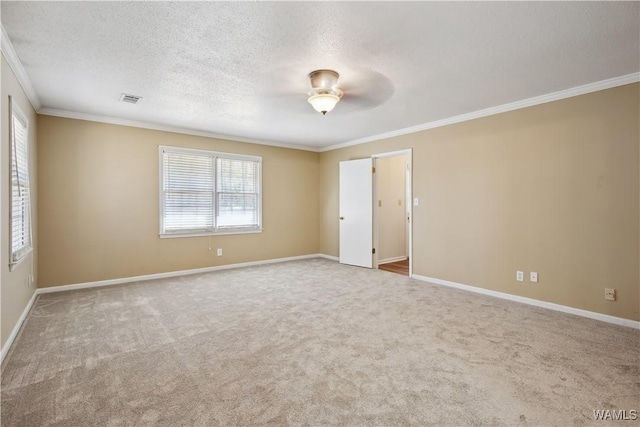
205	192
20	189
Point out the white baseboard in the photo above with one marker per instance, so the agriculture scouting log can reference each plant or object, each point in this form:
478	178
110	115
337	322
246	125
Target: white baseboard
530	301
390	260
122	280
524	300
16	328
329	257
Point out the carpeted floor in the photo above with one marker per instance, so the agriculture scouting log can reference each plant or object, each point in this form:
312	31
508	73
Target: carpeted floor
311	343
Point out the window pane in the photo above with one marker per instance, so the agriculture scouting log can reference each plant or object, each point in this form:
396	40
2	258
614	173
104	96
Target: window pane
19	219
237	176
188	172
188	210
20	194
188	192
237	210
238	199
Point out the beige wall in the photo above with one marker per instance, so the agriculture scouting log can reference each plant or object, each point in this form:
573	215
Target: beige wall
552	188
392	217
15	289
99	204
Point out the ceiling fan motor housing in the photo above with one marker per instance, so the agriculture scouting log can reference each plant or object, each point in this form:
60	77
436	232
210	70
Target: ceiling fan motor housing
326	80
325	93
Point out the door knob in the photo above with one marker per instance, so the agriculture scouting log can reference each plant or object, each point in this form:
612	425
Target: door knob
341	218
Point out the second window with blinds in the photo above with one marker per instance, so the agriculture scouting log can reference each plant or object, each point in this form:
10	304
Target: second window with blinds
206	192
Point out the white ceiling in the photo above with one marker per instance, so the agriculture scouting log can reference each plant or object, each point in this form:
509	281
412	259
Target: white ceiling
240	69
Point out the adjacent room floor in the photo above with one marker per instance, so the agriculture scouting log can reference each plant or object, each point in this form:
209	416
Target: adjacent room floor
398	267
310	343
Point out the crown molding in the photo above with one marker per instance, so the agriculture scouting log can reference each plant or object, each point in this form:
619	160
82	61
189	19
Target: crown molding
154	126
15	64
529	102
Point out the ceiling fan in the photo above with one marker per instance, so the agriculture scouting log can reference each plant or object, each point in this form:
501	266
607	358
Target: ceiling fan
325	93
362	89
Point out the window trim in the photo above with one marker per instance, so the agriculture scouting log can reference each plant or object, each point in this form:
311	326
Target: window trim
216	154
16	258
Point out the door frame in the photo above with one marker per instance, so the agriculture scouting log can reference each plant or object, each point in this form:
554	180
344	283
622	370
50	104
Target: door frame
409	203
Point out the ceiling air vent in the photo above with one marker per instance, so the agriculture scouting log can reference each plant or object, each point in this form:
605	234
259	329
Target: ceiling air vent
131	99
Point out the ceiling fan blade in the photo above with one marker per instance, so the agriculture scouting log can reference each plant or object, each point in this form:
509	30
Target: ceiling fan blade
287	88
287	103
365	89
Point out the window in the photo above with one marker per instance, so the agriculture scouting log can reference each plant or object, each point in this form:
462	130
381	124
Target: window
204	192
20	189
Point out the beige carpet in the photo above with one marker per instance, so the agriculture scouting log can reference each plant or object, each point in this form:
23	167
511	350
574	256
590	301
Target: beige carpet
311	343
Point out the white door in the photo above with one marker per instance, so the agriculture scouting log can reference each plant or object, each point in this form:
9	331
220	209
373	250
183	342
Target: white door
356	212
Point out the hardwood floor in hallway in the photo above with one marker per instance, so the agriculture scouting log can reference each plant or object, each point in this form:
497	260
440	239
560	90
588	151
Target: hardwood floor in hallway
398	267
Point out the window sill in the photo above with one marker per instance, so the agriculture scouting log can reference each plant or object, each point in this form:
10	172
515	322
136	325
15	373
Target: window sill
217	233
14	264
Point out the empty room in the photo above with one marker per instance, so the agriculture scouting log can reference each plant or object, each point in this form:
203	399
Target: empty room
320	213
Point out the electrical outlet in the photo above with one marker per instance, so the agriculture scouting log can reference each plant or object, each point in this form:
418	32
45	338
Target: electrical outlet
533	277
520	276
219	251
609	294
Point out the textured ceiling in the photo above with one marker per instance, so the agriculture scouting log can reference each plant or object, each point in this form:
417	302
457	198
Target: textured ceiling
240	69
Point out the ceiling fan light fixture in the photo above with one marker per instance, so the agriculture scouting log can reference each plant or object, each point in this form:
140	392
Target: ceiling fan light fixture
325	93
324	102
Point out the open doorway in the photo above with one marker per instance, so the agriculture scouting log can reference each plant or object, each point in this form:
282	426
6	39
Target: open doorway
392	212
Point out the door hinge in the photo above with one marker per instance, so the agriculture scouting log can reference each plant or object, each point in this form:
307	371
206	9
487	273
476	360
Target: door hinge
373	169
373	251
